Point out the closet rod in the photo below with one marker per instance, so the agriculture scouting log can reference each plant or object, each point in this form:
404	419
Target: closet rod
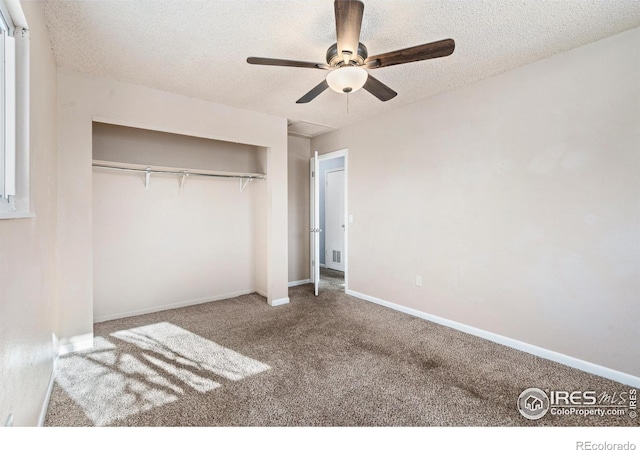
182	172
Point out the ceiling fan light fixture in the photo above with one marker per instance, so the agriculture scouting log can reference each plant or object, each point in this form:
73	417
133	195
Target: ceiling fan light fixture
348	57
347	79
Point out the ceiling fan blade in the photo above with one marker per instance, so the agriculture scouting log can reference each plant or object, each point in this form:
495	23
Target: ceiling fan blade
313	93
348	24
285	63
379	89
436	49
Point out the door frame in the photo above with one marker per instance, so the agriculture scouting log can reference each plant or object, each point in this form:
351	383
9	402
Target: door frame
331	155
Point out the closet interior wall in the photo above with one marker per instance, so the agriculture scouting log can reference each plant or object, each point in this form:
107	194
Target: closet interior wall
160	248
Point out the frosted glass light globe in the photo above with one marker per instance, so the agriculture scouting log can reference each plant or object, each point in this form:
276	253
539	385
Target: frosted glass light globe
347	79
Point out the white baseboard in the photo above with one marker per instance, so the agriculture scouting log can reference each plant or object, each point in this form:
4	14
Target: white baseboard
55	342
47	397
152	309
276	302
585	366
280	301
75	344
299	282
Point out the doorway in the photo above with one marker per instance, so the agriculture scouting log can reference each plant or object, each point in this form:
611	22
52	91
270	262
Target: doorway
329	232
334	222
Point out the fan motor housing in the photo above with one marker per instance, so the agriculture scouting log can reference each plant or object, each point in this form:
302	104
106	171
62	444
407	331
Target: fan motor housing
334	59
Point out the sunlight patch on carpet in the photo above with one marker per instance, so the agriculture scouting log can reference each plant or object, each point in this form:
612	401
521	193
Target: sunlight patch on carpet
152	366
190	350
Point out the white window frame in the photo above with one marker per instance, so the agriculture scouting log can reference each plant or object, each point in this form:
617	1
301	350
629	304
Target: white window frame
7	106
14	112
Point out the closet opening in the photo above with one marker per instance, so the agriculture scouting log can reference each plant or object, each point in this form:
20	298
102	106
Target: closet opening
177	220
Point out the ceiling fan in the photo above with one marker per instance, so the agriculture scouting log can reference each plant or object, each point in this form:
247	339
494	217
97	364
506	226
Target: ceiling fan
347	59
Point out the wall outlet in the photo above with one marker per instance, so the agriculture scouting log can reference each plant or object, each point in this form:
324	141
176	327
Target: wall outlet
419	280
9	421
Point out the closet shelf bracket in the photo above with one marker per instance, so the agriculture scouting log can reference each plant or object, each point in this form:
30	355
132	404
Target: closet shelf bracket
243	183
184	176
147	177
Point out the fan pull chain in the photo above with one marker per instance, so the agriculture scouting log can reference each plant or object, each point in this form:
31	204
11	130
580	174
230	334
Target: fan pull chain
347	103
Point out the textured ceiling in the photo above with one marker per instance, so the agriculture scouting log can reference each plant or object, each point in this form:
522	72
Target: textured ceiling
199	48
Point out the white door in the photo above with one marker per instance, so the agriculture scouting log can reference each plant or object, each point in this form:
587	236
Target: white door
334	222
315	222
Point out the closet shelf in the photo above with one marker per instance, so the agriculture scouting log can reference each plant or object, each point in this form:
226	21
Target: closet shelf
183	172
174	170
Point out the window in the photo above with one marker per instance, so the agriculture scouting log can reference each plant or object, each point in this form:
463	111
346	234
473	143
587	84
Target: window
14	113
8	109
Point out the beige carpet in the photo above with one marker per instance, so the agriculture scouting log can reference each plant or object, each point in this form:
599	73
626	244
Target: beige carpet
331	279
333	360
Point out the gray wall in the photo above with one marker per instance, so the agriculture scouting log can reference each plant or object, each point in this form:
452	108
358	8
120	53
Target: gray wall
517	200
28	304
83	97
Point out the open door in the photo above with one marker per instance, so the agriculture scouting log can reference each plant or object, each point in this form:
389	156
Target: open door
315	222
